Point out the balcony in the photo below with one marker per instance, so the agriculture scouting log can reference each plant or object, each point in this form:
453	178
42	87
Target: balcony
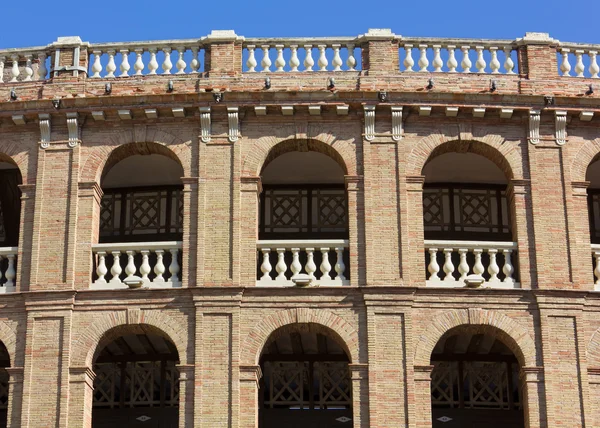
8	269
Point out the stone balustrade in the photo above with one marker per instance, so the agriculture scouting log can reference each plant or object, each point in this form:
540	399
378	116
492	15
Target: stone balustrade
458	55
156	264
323	261
177	57
450	262
292	55
23	65
8	269
596	262
578	60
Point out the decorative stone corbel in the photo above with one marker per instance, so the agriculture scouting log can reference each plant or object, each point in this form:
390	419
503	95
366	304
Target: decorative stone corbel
534	126
73	127
204	124
369	122
232	116
560	124
44	130
396	123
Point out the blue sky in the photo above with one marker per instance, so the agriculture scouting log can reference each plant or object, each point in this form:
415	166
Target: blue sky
38	22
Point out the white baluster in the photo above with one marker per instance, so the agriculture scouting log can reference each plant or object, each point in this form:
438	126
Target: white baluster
478	268
423	61
494	63
101	269
2	59
565	66
579	67
116	269
167	65
325	264
594	69
437	59
294	61
153	64
279	61
509	64
493	268
145	267
337	59
111	67
433	267
266	267
14	72
1	274
295	267
350	61
195	62
28	68
251	62
266	61
480	64
159	268
309	62
180	64
97	66
174	266
508	268
340	267
130	268
138	66
323	63
463	266
11	272
452	63
409	62
448	265
466	61
125	67
597	268
310	267
42	71
281	267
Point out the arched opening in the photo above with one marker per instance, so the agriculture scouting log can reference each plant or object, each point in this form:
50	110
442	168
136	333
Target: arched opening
137	380
593	177
306	379
303	221
475	381
141	218
4	363
467	220
10	220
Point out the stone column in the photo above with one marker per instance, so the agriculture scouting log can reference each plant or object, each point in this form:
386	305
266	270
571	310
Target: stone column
250	190
81	394
356	226
186	395
537	56
380	51
15	395
422	396
249	378
533	396
69	58
359	374
223	53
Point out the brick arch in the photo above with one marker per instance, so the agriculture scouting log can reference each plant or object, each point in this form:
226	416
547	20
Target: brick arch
493	147
9	340
105	328
507	330
103	157
16	157
342	331
265	149
593	350
587	154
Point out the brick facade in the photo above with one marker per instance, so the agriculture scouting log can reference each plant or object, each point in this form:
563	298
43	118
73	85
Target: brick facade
387	321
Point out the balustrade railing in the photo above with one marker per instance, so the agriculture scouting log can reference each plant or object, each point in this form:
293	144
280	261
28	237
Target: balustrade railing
596	263
178	57
450	262
578	60
291	55
458	55
8	269
323	261
23	65
154	264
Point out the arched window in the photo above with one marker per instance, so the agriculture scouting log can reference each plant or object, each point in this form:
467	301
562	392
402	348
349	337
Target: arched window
593	176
